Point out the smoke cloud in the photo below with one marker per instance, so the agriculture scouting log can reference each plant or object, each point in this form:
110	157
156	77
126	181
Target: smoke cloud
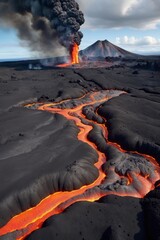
44	24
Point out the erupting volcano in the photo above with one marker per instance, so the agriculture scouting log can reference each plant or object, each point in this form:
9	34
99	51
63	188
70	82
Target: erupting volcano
132	174
80	150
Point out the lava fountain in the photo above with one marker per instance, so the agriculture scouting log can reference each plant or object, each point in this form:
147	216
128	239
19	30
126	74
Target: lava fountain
73	58
131	174
74	54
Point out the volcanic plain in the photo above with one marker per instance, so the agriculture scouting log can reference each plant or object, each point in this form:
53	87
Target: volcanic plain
79	153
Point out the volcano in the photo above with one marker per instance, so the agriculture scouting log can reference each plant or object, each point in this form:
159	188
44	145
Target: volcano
105	49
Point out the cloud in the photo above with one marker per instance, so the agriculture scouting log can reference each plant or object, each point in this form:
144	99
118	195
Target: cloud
122	13
144	45
133	41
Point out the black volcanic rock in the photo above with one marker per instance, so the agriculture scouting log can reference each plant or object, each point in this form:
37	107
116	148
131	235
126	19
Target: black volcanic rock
151	206
116	218
113	218
132	121
34	166
37	146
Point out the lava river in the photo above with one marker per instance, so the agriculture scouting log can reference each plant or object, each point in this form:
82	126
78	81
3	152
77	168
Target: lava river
132	174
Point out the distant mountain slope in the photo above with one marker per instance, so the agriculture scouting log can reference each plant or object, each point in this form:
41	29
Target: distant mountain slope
106	49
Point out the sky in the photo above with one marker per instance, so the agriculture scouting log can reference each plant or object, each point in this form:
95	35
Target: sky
131	24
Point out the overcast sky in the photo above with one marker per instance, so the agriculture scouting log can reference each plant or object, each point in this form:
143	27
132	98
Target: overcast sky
130	24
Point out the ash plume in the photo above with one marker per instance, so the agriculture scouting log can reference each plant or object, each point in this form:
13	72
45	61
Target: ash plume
44	24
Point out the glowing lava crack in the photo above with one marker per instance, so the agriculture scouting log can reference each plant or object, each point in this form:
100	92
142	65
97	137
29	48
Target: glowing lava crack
128	174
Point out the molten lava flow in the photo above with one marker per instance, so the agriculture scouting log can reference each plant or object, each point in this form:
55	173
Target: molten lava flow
74	54
136	185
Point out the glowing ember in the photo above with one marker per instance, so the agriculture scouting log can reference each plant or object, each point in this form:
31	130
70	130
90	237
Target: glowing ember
130	183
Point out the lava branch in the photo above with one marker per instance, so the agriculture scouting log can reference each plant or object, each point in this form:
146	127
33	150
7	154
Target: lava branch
125	183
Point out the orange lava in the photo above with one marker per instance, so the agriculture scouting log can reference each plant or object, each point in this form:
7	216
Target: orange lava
32	219
74	57
74	54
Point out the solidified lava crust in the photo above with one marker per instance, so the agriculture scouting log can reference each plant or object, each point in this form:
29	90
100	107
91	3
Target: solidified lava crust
117	171
38	147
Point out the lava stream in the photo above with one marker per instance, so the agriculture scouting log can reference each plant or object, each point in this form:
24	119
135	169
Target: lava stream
26	222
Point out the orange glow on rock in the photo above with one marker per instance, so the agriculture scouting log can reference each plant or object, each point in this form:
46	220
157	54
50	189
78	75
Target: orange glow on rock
33	218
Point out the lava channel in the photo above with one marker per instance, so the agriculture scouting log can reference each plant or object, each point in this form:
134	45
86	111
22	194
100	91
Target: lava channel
132	174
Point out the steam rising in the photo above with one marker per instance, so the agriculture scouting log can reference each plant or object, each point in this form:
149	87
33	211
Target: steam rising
44	24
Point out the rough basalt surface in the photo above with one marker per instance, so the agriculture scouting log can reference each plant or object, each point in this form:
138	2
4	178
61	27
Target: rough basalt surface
40	152
116	218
